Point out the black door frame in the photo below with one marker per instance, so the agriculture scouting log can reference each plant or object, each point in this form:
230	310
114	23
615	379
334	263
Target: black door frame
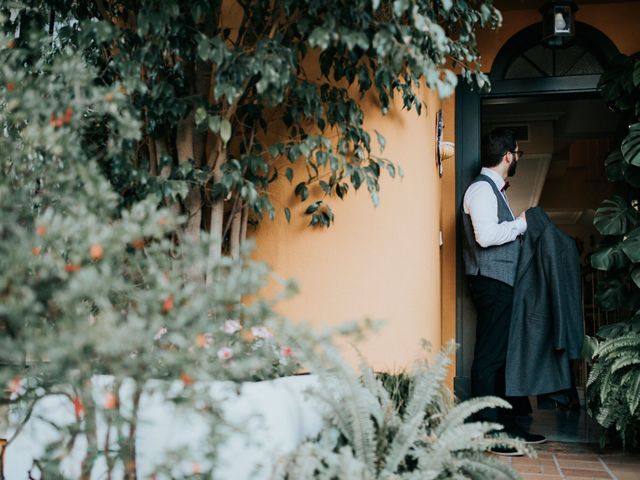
467	126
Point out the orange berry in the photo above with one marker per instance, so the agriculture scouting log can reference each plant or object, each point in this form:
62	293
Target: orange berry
201	340
15	384
68	114
35	251
11	43
78	407
195	468
138	243
71	267
11	87
108	97
247	336
96	252
110	401
59	122
186	379
162	221
167	305
41	230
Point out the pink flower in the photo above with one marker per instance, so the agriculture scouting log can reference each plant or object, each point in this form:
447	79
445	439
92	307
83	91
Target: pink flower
231	326
286	352
160	333
225	353
261	332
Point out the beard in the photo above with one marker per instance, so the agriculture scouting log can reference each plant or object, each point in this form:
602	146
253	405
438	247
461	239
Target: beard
512	168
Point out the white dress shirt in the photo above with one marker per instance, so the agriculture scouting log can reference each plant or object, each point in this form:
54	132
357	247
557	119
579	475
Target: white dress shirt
482	206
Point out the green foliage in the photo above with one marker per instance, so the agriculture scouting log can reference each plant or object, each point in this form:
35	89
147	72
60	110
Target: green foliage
397	427
222	97
90	288
614	382
613	388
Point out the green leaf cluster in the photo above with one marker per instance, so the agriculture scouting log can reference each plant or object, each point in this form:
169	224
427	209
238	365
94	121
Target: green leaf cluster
89	287
254	84
612	389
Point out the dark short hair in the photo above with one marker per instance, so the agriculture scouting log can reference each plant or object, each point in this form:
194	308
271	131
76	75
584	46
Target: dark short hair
495	144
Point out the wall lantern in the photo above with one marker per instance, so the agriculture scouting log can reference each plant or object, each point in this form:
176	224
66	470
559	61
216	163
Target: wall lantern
558	22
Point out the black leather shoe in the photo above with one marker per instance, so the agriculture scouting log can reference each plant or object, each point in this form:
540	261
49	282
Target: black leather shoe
506	451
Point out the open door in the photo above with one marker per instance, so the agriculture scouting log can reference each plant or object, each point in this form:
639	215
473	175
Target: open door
535	87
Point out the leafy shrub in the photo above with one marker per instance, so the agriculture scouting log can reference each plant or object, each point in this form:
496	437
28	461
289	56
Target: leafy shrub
613	387
614	382
88	288
397	427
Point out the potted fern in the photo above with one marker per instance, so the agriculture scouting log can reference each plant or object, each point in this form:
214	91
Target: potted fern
396	427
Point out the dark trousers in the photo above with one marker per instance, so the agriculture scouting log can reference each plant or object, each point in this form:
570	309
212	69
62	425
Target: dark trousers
493	300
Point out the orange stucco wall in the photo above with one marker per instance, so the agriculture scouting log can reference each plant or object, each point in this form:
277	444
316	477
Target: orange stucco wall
382	263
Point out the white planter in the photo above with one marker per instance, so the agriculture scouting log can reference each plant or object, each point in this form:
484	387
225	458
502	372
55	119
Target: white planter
264	421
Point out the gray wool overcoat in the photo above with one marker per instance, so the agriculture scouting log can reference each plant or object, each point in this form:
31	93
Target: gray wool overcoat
547	322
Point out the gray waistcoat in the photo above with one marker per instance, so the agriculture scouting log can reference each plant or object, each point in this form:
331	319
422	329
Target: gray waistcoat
499	261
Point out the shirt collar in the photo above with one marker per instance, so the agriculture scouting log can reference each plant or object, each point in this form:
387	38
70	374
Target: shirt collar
494	176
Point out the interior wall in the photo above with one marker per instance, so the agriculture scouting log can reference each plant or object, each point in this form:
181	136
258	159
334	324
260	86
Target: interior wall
381	263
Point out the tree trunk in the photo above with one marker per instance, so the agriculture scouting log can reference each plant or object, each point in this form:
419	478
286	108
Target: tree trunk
153	157
193	201
161	150
234	240
90	431
130	457
219	155
243	225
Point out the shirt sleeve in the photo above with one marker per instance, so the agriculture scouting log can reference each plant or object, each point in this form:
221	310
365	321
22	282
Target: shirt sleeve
482	206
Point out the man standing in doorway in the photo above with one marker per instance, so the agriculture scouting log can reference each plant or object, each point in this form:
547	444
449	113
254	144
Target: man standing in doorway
491	248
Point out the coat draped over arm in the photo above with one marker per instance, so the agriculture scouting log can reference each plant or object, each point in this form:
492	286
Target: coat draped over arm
547	327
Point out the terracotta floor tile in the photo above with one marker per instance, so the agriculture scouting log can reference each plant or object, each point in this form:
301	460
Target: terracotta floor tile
626	475
621	459
532	476
589	465
621	467
532	461
583	472
582	478
581	457
549	469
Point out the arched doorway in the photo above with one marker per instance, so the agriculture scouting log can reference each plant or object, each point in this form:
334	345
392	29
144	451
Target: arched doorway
533	88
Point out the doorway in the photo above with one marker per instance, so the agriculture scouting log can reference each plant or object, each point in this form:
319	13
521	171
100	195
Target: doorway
549	98
566	139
